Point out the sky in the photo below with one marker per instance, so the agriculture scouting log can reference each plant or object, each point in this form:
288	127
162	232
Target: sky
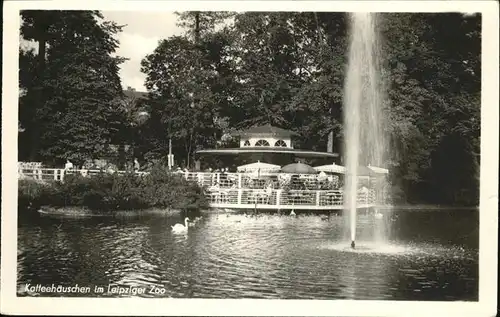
140	37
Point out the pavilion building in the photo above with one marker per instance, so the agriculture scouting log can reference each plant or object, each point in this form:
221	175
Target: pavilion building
267	144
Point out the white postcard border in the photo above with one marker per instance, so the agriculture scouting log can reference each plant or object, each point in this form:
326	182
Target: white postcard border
10	304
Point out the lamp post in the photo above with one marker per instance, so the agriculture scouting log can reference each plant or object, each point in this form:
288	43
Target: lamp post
170	156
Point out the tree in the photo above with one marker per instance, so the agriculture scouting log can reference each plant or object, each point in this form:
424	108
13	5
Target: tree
37	27
287	69
434	92
189	79
199	24
27	103
78	117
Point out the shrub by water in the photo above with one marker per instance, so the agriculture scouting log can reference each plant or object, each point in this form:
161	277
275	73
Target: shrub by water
113	192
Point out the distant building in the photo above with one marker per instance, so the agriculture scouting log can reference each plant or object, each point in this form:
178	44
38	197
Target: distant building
132	94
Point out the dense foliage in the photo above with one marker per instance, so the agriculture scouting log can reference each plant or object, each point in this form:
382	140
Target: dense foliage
71	90
32	194
113	192
234	70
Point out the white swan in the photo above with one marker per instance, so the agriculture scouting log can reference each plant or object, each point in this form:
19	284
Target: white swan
292	213
180	228
378	215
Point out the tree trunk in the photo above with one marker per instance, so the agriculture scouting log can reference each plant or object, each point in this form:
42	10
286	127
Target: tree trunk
197	28
35	131
330	142
190	146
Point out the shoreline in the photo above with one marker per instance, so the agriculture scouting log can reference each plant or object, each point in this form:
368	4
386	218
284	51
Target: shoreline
430	207
82	212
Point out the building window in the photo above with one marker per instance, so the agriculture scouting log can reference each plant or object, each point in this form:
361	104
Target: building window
262	143
280	143
247	143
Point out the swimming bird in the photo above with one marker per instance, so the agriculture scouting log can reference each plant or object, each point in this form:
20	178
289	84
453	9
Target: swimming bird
180	228
292	213
378	215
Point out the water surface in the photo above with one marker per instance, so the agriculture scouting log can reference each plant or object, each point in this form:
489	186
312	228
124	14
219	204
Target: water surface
431	255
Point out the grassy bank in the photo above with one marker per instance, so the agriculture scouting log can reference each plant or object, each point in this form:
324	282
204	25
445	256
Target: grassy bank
112	193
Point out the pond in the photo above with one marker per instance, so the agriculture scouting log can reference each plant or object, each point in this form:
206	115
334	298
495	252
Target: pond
428	255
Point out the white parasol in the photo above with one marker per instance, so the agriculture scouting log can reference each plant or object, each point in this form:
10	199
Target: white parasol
378	170
331	168
258	167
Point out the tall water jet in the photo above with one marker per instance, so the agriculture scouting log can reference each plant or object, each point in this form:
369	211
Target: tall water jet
364	139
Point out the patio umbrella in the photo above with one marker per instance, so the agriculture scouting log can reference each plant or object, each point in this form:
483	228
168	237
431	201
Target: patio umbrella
364	171
331	168
258	167
298	168
378	170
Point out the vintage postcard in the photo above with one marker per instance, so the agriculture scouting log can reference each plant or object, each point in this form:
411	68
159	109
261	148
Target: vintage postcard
287	158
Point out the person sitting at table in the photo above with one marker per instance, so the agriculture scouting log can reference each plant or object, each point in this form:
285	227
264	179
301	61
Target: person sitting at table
223	176
296	183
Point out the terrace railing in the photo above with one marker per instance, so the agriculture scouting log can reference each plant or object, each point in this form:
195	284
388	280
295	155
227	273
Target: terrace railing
281	199
58	174
239	189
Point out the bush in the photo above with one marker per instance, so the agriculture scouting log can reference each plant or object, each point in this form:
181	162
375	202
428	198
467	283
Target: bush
161	188
112	192
32	194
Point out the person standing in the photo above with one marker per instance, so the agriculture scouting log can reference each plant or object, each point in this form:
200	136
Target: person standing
136	165
68	165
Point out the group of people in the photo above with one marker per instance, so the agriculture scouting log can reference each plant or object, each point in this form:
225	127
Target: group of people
108	167
278	181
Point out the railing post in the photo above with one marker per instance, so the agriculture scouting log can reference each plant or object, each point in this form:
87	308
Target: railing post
239	195
317	197
40	175
55	174
278	197
239	180
63	172
218	178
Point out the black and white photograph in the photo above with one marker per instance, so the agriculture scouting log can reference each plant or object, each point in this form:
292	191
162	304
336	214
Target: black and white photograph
294	157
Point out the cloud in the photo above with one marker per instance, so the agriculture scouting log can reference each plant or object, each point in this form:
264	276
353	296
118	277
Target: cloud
134	47
140	36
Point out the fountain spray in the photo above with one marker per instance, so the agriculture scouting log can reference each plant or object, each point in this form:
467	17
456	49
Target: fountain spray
363	135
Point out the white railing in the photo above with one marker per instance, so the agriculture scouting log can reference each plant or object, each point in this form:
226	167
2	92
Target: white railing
240	189
279	198
57	174
222	180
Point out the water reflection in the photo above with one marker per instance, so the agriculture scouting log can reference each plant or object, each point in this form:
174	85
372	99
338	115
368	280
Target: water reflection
428	256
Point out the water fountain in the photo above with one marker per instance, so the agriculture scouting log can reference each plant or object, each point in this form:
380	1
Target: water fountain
363	120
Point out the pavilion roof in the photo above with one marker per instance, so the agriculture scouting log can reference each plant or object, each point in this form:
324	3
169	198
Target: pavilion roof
267	130
266	149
